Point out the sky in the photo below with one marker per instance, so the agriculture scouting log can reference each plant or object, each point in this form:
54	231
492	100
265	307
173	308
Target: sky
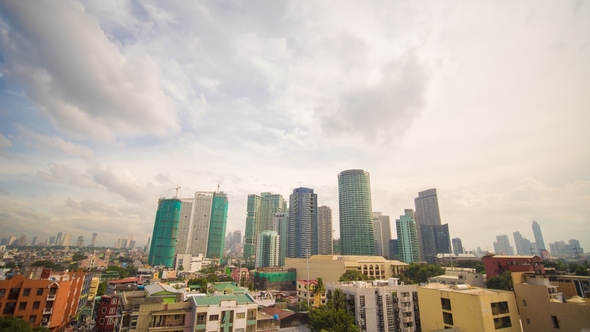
107	105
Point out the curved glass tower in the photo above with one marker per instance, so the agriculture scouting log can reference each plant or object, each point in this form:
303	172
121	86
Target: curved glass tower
356	227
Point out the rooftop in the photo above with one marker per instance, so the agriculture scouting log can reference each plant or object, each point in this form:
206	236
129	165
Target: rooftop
463	289
217	299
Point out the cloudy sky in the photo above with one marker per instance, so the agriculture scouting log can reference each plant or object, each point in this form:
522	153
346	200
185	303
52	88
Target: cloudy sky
106	105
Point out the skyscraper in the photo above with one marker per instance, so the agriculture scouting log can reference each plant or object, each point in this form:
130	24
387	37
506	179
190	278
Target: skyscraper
80	242
217	224
281	226
457	246
407	240
165	232
433	237
324	230
436	239
502	245
303	223
539	242
58	239
93	241
356	227
67	240
427	211
382	233
34	242
185	227
267	249
260	214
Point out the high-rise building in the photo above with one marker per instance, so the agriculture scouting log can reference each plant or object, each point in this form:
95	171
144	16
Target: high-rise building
355	207
80	242
130	239
267	249
185	227
67	240
34	242
457	246
576	248
407	238
382	233
93	241
523	245
435	240
539	242
427	213
324	230
281	226
502	245
217	224
22	241
237	236
518	243
260	214
165	232
58	239
51	240
303	223
394	250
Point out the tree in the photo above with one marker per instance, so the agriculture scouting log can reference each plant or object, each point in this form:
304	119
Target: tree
102	288
14	324
47	264
353	275
199	281
417	273
501	282
78	257
331	319
581	271
123	272
10	265
318	290
337	299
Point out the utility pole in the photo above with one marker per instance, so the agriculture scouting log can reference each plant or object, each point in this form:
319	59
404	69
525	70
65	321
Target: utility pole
308	285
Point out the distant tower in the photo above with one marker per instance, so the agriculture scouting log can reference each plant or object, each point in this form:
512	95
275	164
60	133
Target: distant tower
22	241
58	239
281	226
93	241
382	233
502	245
427	211
433	236
67	241
80	242
324	230
407	240
267	249
457	246
303	223
217	224
540	243
356	227
260	214
34	242
165	232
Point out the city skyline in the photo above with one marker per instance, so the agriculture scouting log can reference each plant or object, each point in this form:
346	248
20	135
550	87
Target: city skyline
144	98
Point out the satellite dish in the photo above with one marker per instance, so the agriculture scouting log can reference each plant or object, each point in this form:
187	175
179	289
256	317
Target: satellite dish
275	317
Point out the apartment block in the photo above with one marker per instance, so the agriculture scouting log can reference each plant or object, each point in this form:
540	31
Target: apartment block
306	291
498	264
236	312
467	309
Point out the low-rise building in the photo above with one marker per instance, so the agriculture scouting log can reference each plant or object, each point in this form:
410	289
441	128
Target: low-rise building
498	264
331	267
306	292
236	312
459	276
270	278
544	305
381	305
467	309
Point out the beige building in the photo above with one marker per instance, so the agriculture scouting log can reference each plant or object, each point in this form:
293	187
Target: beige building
94	283
331	267
381	305
459	276
142	314
550	305
237	312
306	292
467	309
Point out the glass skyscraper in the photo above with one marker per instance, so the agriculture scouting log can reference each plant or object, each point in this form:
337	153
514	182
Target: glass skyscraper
356	227
303	223
407	239
165	232
260	214
540	243
216	238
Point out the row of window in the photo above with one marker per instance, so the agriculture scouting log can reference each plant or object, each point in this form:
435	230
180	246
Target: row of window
14	292
201	317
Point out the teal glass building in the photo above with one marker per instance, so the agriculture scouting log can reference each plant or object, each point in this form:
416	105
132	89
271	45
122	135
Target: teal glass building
356	227
165	231
218	221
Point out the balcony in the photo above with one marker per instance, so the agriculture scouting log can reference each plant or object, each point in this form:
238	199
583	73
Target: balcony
407	319
47	311
51	297
174	326
407	309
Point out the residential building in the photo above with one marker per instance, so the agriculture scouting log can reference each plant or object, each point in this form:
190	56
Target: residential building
260	213
281	226
381	305
407	237
217	224
382	234
275	278
576	248
354	204
50	301
190	263
324	230
236	312
498	264
306	293
427	213
267	249
539	242
331	267
165	231
107	314
466	308
303	223
502	245
80	242
186	226
394	249
546	304
58	239
459	276
457	246
95	282
67	240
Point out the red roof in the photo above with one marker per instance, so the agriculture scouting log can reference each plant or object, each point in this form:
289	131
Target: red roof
127	281
313	282
277	311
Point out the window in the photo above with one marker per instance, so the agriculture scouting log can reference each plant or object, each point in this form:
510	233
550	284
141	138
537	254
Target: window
22	306
448	318
110	321
9	308
252	314
528	321
240	315
555	322
499	308
251	328
13	294
502	322
36	305
176	316
104	310
239	330
114	301
201	318
26	292
213	317
2	291
524	302
32	319
101	321
112	311
446	303
39	291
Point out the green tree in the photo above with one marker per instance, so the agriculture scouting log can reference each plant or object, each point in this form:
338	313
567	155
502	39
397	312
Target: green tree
78	257
10	265
123	272
331	319
47	264
501	282
13	324
417	273
337	299
199	281
102	288
582	271
318	290
353	275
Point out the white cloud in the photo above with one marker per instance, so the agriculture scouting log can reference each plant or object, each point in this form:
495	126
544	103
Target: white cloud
4	142
43	141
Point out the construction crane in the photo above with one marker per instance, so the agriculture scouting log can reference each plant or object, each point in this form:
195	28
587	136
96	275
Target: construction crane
177	187
218	184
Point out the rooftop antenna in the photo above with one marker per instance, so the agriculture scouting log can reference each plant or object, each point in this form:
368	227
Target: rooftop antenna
177	187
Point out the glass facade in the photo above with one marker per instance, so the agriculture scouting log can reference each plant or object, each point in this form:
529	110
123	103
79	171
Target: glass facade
216	241
165	232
